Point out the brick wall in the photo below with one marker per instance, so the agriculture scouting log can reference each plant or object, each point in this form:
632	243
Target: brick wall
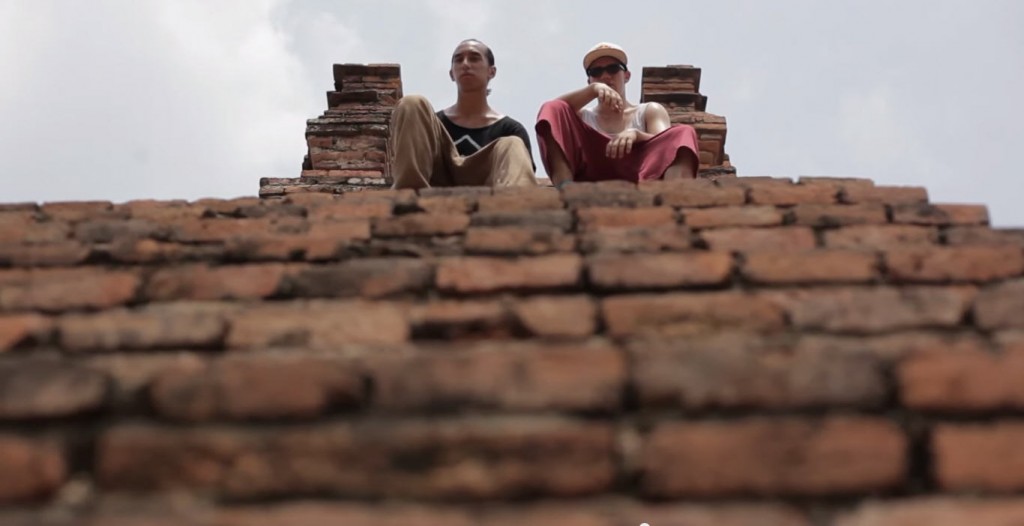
731	352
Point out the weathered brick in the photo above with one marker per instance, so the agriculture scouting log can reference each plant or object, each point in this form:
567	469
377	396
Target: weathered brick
979	457
811	266
480	274
954	264
23	329
35	389
785	456
26	230
49	255
161	211
999	306
163	326
936	511
511	376
421	224
471	459
873	309
732	216
633	240
693	269
318	325
349	514
604	194
219	230
796	238
604	218
131	374
55	290
939	215
791	194
689	313
963	381
460	319
142	251
742	372
109	230
839	215
446	204
32	469
518	240
203	282
227	207
878	237
514	199
344	210
368	278
79	210
258	386
983	235
890	195
560	219
695	193
454	191
557	316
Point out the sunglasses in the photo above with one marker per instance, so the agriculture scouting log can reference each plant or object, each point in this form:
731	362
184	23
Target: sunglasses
611	69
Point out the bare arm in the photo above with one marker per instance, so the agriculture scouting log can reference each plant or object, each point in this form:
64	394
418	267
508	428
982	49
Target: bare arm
596	90
656	119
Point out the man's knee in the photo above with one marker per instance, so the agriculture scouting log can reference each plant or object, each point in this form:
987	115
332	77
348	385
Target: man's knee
414	104
510	147
554	107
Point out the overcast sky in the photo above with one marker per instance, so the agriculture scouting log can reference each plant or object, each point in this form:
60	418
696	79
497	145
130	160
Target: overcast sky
131	99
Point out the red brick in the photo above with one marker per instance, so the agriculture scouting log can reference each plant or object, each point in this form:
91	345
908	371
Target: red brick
131	374
963	381
604	218
518	240
557	316
840	183
560	219
25	230
874	309
161	211
165	326
227	207
732	216
808	267
480	274
839	215
454	191
49	255
791	194
23	329
318	325
742	372
350	210
940	215
512	376
604	194
348	514
796	238
258	386
520	199
688	313
695	193
79	210
983	235
32	469
633	240
936	511
954	264
1000	306
368	278
220	230
109	230
203	282
469	459
979	457
446	204
55	290
143	251
880	236
773	457
891	348
421	225
35	389
460	319
890	195
694	269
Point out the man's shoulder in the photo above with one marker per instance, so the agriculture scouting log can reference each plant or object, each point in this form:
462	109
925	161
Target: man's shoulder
508	123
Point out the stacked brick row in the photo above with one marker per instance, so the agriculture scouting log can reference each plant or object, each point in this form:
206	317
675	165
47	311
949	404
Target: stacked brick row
678	89
730	352
348	146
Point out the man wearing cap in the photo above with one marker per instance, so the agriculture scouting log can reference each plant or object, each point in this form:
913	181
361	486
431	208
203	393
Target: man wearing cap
468	143
615	139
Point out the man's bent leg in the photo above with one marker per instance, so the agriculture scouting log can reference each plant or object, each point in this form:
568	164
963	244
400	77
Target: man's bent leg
503	162
421	145
669	154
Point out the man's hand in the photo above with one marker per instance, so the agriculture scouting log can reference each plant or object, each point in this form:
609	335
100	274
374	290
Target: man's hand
607	97
621	144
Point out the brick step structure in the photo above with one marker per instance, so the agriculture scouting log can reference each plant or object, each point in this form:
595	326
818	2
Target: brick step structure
731	352
349	150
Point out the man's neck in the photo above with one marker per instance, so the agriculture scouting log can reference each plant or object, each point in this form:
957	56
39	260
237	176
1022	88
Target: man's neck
472	110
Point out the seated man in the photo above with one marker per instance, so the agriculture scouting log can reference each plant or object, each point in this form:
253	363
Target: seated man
617	140
468	143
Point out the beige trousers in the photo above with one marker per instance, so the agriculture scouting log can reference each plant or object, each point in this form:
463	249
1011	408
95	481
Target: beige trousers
426	156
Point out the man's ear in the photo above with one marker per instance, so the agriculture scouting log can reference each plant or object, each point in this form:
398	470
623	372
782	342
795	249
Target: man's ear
451	75
627	75
492	71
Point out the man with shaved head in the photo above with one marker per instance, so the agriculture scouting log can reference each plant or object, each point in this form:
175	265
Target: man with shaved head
467	143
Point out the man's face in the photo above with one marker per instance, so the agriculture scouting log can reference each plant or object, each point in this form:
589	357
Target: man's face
614	77
469	66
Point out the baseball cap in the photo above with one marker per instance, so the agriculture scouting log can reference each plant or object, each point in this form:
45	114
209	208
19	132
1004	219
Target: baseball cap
604	49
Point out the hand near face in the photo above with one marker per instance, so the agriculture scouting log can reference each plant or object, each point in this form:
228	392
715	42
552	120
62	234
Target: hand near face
607	97
621	144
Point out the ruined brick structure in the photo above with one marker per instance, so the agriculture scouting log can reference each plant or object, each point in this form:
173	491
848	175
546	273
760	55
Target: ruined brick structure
716	352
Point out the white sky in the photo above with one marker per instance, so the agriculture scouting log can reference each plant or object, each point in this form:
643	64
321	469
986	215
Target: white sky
200	98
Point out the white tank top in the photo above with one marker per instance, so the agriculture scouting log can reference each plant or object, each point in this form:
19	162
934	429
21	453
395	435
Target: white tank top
589	116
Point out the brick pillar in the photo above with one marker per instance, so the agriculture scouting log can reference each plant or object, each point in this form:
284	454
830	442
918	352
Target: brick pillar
677	88
348	147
